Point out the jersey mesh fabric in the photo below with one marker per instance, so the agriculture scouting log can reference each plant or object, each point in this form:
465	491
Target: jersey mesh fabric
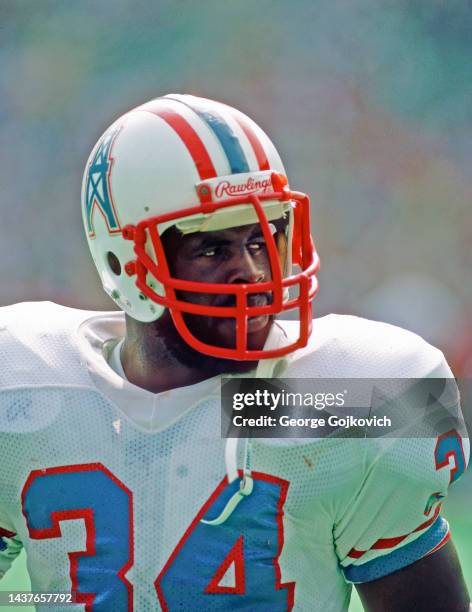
170	474
342	494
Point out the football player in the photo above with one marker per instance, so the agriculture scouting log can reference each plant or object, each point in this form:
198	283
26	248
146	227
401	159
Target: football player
114	475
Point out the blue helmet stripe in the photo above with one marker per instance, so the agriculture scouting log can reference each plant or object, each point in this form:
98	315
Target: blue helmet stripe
229	141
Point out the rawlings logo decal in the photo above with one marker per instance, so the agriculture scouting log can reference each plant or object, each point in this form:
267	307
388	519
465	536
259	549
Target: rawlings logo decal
97	189
225	188
242	184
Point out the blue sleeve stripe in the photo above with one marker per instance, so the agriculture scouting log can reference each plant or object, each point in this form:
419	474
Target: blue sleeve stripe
400	557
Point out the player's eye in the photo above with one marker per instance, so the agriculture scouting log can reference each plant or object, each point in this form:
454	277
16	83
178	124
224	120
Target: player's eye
209	252
257	245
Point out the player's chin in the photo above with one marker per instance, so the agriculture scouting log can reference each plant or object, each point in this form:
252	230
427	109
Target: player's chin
257	324
221	331
257	331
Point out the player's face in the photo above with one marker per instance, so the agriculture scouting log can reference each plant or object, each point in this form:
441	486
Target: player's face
230	256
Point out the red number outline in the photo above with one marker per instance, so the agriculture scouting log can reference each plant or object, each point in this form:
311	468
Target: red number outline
453	453
290	586
87	515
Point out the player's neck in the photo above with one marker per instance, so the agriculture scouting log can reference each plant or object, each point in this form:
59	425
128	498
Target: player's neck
155	358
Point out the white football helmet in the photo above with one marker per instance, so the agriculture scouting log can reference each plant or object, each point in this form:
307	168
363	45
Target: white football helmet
197	165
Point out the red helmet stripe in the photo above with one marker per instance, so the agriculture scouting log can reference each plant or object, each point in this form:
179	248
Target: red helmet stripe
254	140
189	137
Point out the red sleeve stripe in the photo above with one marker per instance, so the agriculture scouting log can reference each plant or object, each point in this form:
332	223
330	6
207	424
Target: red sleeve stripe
383	543
189	137
398	558
4	533
259	152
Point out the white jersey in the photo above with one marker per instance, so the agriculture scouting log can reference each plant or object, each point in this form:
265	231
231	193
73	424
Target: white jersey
107	486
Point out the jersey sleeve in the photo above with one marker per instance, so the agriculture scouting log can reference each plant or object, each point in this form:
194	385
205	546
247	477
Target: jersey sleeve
394	518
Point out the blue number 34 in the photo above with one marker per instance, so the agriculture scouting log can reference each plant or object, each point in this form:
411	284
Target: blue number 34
246	546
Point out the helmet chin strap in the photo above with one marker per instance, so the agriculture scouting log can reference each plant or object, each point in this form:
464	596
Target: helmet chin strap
246	484
265	369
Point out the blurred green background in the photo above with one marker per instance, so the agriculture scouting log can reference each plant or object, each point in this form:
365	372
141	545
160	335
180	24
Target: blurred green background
369	103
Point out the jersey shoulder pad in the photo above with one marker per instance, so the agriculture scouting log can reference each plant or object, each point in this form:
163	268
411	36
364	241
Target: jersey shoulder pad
344	346
38	345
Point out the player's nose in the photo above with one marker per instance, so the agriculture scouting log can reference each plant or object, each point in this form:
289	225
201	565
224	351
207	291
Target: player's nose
246	270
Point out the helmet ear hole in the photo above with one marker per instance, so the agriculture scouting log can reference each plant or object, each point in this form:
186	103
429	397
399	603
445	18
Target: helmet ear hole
114	263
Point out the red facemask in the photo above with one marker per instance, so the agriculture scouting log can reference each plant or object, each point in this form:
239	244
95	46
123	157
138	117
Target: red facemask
304	282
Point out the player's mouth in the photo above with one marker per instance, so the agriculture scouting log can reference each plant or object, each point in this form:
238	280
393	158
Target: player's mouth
221	331
254	324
